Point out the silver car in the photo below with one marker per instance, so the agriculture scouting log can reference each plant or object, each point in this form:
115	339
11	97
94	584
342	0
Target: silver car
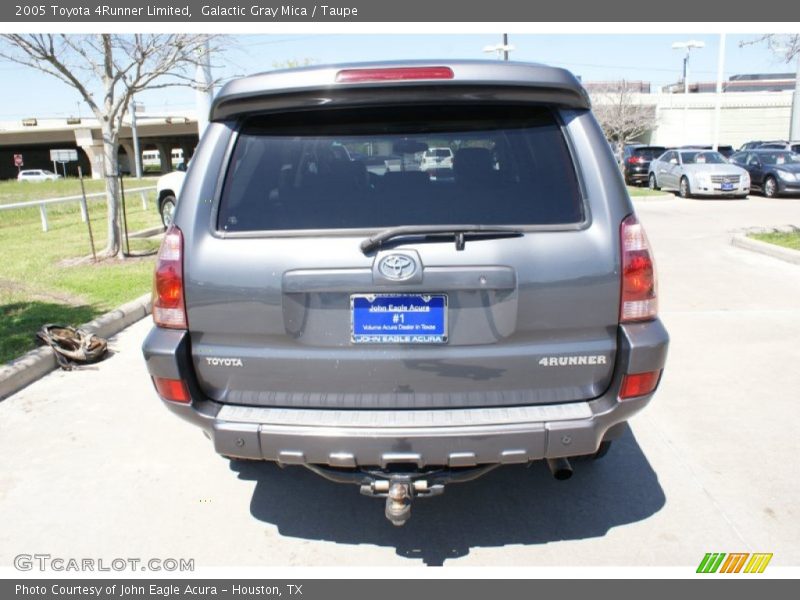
698	173
391	329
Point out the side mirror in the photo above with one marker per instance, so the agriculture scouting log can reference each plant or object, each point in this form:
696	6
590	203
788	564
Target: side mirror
673	161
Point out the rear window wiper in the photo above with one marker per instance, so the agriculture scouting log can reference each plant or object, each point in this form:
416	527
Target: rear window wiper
459	233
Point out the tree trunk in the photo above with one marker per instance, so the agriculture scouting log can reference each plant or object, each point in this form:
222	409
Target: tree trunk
110	167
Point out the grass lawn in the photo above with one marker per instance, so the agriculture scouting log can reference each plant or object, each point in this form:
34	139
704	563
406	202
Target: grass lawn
636	191
48	277
786	239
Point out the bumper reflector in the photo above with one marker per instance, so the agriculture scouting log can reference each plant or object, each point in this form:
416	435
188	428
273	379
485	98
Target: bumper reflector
638	384
174	390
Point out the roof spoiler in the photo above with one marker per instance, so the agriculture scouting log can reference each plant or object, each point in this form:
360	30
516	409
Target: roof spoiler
309	88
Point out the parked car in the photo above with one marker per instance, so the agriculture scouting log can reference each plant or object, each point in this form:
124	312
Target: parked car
698	173
436	158
792	146
726	151
773	172
636	162
750	145
37	175
168	188
389	330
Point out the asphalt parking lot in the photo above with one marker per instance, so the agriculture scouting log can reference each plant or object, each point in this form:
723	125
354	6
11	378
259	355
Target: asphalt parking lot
91	464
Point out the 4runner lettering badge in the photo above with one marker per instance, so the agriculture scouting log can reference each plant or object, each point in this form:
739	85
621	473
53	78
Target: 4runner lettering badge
568	361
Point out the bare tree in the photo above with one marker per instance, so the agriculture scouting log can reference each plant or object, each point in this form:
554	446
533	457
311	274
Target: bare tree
786	46
292	63
107	70
619	113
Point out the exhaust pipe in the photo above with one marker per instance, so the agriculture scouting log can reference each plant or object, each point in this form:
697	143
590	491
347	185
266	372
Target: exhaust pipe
560	468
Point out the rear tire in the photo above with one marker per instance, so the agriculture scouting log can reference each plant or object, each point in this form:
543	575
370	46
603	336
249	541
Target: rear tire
605	446
652	183
684	190
602	450
770	187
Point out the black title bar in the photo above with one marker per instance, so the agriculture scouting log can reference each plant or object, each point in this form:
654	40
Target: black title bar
441	11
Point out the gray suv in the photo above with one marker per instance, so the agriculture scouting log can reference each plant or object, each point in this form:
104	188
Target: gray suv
322	301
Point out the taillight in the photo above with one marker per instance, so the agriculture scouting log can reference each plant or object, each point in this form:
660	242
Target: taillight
635	160
393	74
638	384
638	301
169	308
173	390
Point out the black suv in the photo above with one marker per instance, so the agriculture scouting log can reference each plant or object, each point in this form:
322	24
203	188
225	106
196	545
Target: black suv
636	162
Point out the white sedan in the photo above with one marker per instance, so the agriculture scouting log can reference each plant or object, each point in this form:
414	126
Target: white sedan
694	172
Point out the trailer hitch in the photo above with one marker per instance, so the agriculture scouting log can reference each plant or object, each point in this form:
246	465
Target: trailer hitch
399	489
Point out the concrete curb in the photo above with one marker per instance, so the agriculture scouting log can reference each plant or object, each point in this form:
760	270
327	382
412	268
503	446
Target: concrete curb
650	198
145	233
26	369
741	240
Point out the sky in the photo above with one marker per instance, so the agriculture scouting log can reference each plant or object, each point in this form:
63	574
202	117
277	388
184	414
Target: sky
594	57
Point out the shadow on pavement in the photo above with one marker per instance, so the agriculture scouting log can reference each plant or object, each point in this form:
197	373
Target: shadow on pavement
511	505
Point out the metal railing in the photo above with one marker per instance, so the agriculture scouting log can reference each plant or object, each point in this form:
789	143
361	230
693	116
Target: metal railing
43	204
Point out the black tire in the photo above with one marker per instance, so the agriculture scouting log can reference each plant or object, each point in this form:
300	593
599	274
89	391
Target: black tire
602	450
605	446
652	183
684	190
167	209
770	187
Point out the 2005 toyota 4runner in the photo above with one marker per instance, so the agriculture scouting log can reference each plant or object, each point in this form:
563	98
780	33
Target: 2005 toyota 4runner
321	300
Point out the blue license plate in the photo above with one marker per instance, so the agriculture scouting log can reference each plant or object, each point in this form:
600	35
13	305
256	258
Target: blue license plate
399	318
727	187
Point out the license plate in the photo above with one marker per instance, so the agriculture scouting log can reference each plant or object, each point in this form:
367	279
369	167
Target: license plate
398	318
726	187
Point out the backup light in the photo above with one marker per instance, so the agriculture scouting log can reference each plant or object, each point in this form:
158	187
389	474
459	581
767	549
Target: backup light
169	308
638	298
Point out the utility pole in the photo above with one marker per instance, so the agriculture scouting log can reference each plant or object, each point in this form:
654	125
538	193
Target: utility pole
505	46
204	93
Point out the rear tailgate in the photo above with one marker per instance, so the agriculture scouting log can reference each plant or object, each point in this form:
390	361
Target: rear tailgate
279	292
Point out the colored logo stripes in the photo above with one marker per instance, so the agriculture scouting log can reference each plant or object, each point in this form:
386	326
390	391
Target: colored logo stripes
734	562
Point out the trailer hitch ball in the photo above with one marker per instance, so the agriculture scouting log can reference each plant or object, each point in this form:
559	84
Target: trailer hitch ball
398	503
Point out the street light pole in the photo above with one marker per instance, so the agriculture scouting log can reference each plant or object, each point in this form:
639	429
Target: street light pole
500	50
137	155
688	47
720	75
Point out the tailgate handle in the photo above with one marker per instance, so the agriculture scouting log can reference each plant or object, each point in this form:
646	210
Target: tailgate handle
439	279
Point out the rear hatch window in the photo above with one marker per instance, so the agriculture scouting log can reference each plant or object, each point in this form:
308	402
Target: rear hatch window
649	153
360	169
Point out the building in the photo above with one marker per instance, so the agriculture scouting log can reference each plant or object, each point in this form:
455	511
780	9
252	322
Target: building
34	138
683	119
756	82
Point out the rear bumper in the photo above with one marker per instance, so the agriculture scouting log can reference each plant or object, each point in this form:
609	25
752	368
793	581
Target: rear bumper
440	437
637	174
